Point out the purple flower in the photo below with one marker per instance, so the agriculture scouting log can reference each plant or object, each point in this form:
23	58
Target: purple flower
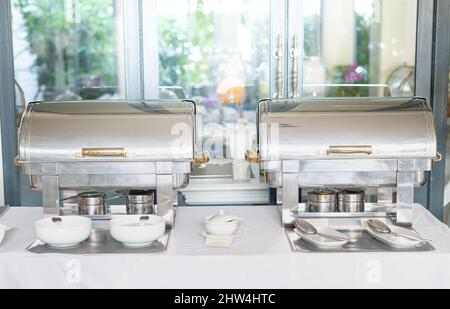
355	73
210	102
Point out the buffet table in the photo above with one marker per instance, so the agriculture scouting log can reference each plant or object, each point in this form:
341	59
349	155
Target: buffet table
261	258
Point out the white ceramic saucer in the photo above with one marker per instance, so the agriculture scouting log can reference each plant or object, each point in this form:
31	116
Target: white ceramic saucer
236	235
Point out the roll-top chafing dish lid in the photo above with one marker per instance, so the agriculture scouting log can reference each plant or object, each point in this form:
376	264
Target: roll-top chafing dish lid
401	128
107	131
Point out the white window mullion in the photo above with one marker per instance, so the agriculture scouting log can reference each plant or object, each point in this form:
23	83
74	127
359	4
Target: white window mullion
150	46
134	77
278	16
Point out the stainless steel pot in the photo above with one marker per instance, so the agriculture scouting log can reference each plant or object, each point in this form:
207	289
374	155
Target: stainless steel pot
351	201
322	201
140	202
92	204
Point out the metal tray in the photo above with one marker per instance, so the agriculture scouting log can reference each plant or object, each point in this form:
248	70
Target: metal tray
3	210
101	242
364	243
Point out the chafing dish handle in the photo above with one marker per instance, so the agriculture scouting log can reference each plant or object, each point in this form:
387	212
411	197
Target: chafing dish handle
350	150
252	157
202	158
104	152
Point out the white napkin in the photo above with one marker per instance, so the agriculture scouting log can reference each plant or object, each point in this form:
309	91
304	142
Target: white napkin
3	230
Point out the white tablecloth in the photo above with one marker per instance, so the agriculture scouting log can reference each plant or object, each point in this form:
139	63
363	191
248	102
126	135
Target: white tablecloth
262	258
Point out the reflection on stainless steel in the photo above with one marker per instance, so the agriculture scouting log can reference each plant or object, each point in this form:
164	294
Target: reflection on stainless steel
347	143
108	146
3	210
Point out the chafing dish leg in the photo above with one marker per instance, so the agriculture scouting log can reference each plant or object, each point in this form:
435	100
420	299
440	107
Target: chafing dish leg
385	195
405	198
290	198
165	199
50	195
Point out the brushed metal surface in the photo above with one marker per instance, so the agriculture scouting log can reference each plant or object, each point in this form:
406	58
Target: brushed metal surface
83	131
101	242
390	128
362	242
3	210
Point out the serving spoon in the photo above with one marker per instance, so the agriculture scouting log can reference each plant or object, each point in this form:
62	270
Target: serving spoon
307	228
382	228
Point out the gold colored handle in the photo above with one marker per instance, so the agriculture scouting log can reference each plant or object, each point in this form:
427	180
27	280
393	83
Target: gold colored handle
350	150
438	158
18	162
104	152
202	158
252	157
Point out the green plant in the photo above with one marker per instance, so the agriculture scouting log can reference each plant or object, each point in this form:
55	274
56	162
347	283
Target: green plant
74	43
312	35
185	51
363	41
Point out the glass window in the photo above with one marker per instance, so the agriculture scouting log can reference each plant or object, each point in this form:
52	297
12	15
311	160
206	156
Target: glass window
224	54
216	52
67	49
359	48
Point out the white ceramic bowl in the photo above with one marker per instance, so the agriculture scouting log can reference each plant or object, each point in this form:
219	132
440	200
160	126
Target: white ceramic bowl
65	233
134	233
221	229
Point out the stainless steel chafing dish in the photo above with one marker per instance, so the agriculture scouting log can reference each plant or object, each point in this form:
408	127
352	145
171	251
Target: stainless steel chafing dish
113	145
383	144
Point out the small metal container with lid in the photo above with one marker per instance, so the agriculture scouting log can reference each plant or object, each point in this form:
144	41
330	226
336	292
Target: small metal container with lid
92	204
351	201
322	201
140	202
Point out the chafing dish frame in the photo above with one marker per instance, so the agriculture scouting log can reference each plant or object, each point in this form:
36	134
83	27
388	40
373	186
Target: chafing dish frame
290	175
113	171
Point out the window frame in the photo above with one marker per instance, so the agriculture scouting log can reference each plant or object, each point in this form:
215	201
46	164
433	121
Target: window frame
432	50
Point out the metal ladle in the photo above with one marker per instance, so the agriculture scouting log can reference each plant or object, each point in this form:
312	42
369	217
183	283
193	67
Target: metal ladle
307	228
382	228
